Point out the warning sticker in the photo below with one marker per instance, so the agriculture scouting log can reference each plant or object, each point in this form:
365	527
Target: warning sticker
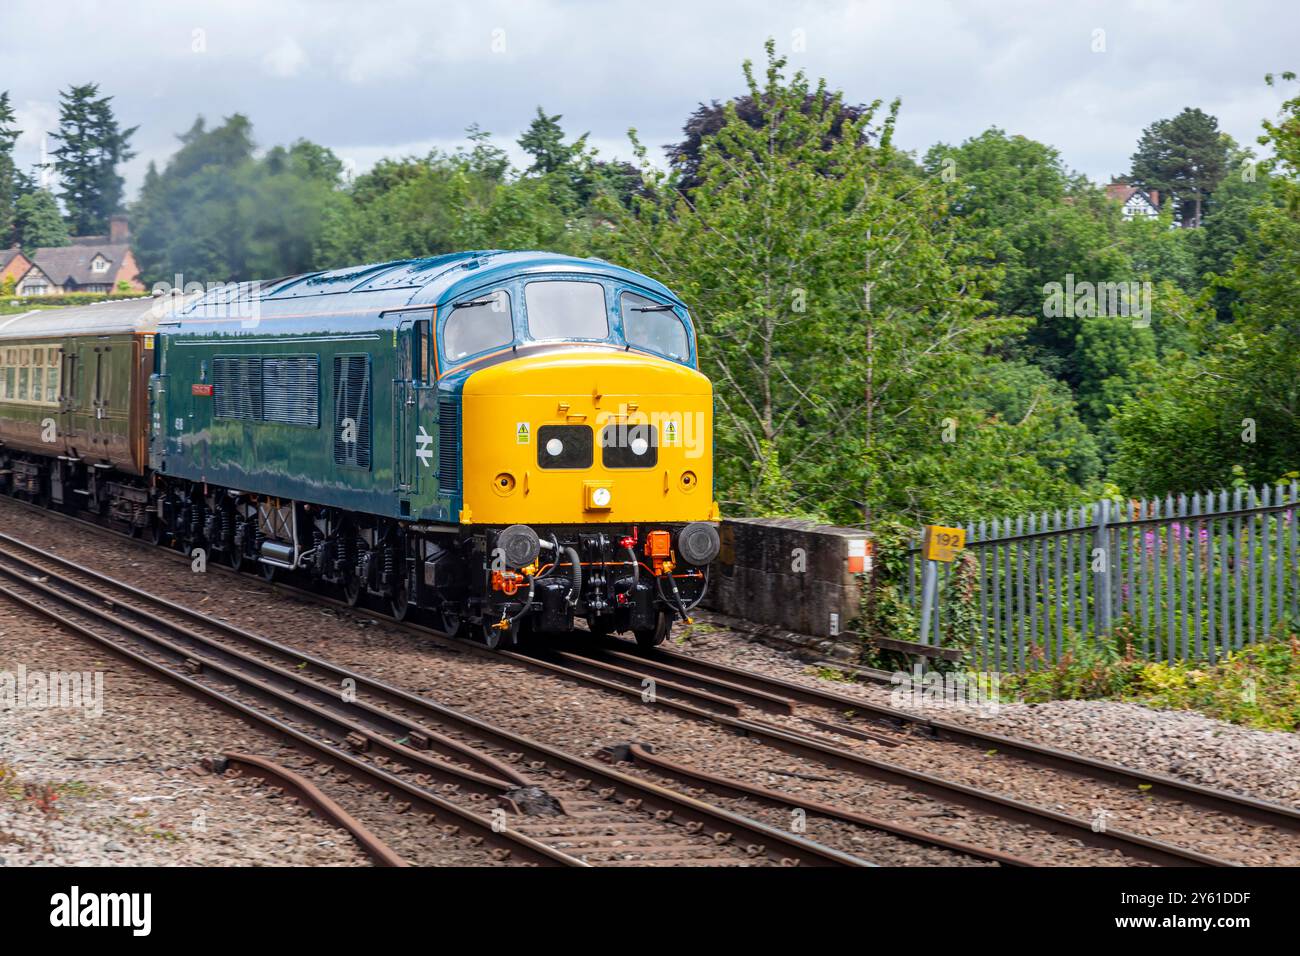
522	435
148	343
670	433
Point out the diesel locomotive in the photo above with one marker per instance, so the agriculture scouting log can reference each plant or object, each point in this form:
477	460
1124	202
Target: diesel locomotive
509	442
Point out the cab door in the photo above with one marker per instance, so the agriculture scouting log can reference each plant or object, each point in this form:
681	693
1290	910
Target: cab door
403	400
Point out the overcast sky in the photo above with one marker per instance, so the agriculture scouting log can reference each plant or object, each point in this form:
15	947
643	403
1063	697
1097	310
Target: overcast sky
395	77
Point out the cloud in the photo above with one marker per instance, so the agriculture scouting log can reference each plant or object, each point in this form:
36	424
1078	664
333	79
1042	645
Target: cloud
393	73
285	60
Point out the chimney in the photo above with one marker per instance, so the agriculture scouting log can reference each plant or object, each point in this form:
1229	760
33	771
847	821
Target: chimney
1155	197
118	230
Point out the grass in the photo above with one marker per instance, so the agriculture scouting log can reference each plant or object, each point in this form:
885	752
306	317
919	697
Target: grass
692	630
830	673
1257	686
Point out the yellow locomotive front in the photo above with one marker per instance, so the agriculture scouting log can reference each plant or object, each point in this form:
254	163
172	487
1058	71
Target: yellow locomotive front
587	436
586	453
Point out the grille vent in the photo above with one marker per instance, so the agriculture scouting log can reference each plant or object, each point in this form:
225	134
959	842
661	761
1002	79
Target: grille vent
352	400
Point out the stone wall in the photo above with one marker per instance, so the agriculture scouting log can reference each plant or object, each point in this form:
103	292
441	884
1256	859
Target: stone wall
789	574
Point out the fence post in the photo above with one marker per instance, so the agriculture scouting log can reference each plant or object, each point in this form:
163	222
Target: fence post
1101	579
929	593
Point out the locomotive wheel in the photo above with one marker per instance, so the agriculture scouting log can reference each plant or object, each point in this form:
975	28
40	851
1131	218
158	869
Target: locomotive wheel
352	590
489	636
452	625
268	572
400	603
234	557
494	637
654	636
157	533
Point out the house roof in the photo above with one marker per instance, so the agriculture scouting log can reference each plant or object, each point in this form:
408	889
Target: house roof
64	264
1125	191
7	256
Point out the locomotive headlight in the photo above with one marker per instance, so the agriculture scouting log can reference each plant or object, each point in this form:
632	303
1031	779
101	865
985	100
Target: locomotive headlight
554	447
639	446
597	495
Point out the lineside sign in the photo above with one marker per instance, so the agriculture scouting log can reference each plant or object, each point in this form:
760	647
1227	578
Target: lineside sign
942	544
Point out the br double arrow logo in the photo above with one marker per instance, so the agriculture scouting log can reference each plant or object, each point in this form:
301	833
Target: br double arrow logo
423	451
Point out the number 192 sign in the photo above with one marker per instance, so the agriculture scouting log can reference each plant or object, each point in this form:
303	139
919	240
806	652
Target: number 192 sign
942	544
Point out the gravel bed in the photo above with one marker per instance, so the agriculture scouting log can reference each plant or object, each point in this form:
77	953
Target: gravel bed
125	788
1183	744
584	720
579	719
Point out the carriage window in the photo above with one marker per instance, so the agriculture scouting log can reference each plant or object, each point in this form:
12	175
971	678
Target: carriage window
654	326
477	325
566	310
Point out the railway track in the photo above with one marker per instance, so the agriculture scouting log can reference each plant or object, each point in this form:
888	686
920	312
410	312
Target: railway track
712	675
525	798
306	792
721	693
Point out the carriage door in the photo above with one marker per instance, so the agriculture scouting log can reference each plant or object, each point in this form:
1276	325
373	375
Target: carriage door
67	395
99	403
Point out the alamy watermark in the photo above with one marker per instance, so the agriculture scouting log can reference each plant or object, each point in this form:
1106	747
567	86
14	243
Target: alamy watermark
216	301
52	690
1086	300
931	689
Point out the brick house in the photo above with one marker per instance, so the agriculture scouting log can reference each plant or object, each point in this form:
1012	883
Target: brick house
88	264
1138	203
13	264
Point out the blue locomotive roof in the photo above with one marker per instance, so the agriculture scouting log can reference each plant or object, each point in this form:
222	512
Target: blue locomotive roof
397	284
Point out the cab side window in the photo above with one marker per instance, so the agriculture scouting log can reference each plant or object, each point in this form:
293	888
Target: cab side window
653	326
478	325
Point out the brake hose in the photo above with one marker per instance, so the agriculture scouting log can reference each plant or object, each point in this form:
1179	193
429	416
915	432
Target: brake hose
576	563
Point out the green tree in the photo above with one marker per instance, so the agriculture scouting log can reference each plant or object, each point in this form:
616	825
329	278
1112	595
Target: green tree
544	141
1041	223
702	127
91	147
1229	224
843	317
38	222
1184	157
8	172
447	202
1235	401
1111	352
217	213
